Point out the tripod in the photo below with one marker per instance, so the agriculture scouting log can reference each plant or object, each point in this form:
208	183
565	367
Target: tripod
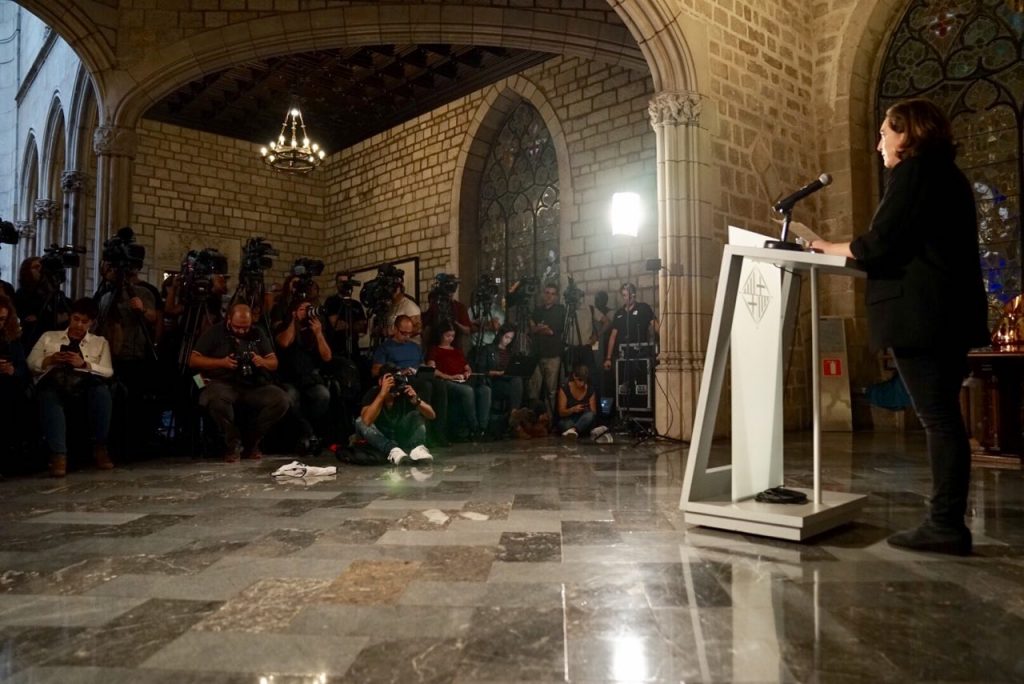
252	291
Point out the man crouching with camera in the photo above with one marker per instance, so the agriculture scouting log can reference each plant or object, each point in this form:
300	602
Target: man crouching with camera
393	418
236	361
72	367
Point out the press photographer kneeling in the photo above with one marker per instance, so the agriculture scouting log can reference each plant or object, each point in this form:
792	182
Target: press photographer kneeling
393	418
236	361
73	366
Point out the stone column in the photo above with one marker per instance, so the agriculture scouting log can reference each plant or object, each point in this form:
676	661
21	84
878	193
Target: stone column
688	252
115	148
45	213
26	245
72	183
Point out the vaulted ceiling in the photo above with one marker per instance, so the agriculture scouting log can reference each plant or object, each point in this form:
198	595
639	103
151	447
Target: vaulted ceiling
345	95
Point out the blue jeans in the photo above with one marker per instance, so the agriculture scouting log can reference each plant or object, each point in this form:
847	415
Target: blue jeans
52	404
582	422
411	433
472	404
933	379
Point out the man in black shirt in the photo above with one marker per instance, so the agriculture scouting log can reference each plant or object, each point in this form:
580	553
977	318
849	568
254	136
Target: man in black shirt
393	418
304	350
634	323
347	318
236	361
546	325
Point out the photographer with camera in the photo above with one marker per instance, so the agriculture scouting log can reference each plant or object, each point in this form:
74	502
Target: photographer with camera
485	313
256	259
444	309
393	418
194	303
236	360
71	368
304	351
546	326
346	317
399	351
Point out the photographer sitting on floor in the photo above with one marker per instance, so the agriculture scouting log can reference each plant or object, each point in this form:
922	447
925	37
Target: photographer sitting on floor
393	418
236	360
72	366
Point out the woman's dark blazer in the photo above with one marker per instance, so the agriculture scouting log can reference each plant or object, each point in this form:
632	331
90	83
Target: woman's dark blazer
924	287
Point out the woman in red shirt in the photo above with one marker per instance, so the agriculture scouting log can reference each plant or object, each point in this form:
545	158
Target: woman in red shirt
468	395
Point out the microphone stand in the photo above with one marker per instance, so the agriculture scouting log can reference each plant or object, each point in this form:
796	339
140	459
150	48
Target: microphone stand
781	243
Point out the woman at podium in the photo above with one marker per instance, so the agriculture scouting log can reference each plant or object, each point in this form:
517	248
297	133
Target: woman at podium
926	300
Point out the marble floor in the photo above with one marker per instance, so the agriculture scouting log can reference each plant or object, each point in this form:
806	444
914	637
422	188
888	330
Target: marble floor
538	561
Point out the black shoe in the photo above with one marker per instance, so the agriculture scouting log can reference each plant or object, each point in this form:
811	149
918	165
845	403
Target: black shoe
930	537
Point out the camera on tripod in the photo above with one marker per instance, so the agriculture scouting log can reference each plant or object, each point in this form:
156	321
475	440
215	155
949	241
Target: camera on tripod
9	235
523	291
197	271
56	260
486	290
346	283
573	295
122	253
305	270
376	294
256	257
445	285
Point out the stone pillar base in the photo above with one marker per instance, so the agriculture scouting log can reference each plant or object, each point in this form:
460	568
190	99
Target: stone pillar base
675	401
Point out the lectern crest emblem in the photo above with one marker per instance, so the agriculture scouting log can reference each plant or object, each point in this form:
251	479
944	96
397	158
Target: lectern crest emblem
755	295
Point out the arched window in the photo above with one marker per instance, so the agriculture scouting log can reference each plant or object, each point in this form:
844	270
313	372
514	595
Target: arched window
968	57
518	208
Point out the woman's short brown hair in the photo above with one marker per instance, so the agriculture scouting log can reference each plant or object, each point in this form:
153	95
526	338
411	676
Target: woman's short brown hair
926	126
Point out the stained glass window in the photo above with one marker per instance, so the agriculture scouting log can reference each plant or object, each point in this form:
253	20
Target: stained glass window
519	200
968	57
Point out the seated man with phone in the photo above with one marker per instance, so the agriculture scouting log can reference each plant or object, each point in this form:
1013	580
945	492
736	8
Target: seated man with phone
71	367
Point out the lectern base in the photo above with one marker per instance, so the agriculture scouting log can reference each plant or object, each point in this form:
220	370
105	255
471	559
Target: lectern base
781	521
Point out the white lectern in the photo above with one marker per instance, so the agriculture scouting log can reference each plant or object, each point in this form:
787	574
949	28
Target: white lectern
752	306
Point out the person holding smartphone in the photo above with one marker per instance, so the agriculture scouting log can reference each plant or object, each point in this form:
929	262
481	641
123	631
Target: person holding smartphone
71	368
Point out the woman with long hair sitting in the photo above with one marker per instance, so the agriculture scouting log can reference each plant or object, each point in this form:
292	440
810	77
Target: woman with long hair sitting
469	397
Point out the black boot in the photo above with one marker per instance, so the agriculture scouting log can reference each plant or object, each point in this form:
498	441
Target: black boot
937	539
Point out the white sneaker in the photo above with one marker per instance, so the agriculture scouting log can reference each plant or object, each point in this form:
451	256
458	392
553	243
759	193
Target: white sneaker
605	439
397	455
421	453
571	432
598	431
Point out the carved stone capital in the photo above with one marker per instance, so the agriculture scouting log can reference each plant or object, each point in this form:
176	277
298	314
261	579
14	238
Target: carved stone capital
26	229
45	209
114	141
675	109
73	181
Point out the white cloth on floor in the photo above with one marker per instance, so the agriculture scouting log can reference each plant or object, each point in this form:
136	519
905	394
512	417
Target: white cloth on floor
296	469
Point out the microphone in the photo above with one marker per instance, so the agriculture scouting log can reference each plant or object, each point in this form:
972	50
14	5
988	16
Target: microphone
785	204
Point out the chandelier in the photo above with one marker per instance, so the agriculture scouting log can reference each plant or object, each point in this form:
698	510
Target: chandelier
286	154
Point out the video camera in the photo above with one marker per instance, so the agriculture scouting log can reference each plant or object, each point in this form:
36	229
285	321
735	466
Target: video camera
523	291
573	295
197	271
56	260
305	270
346	286
445	285
9	235
122	252
256	257
486	290
376	294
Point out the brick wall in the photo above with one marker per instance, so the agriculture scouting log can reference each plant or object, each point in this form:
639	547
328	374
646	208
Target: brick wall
204	187
393	196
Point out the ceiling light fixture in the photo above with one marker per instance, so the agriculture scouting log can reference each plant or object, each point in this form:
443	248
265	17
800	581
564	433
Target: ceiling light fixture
286	154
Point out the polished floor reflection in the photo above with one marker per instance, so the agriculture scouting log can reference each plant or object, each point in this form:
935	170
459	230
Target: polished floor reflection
507	562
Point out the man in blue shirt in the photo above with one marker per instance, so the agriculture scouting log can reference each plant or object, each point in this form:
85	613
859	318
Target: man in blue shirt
401	352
